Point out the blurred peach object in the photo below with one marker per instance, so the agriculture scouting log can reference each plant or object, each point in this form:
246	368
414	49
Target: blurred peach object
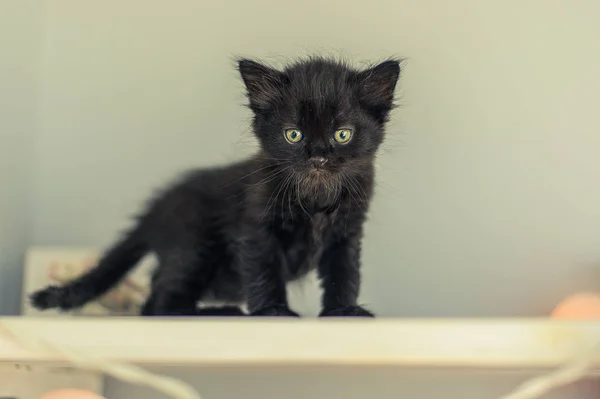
582	306
71	394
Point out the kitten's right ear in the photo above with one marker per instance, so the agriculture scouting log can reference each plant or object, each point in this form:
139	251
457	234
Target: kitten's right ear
263	84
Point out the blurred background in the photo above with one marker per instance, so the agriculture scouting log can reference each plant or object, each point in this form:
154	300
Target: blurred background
488	197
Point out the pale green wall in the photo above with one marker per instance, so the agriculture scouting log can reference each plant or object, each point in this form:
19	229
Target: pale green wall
20	39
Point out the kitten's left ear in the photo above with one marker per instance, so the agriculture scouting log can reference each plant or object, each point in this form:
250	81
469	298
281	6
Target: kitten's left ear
376	87
263	84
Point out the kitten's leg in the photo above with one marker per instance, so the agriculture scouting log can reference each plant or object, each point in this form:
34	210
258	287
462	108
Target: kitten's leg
261	267
340	278
178	283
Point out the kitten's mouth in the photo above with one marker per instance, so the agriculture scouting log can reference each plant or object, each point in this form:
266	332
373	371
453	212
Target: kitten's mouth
318	181
318	176
317	172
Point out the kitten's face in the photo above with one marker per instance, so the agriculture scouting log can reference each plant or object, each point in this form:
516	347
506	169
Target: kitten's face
320	118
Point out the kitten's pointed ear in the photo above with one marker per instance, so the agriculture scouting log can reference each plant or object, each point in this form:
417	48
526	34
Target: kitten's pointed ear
376	87
263	84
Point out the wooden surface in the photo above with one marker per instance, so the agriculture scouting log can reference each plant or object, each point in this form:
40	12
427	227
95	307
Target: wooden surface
499	343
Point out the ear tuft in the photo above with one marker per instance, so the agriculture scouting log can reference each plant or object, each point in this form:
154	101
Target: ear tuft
377	86
263	84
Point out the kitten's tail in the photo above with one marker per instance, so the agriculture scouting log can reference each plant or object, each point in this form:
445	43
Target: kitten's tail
111	268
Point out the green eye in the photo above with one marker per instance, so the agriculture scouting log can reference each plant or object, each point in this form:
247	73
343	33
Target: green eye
292	136
342	136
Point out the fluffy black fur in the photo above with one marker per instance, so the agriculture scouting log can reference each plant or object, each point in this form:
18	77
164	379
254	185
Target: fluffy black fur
239	233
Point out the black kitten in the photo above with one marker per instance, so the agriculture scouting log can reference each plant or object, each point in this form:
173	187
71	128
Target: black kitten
239	233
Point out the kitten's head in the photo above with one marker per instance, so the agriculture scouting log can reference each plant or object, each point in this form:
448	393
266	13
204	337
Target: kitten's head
319	117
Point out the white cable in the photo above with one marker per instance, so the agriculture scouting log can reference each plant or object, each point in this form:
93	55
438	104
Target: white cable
571	371
172	387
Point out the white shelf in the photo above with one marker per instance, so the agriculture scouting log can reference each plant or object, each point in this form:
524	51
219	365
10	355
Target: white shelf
470	343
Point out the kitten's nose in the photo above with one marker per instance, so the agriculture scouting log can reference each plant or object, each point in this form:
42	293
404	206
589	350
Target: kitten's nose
318	162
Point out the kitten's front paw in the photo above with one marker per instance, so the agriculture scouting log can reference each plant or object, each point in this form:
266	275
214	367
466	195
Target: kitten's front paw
349	311
275	311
